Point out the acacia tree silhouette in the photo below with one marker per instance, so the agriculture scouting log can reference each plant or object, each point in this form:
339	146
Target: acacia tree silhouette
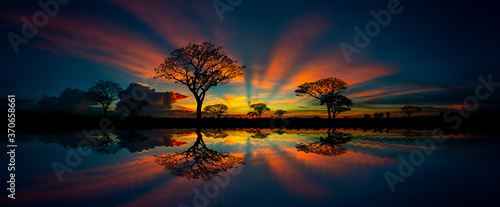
217	109
199	67
260	108
280	113
104	92
328	91
410	109
199	162
329	146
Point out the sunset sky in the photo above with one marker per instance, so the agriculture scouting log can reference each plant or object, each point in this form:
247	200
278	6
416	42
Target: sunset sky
430	54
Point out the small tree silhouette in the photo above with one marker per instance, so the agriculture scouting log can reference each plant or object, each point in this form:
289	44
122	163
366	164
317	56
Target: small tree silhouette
260	108
280	113
252	114
217	109
410	109
378	115
104	92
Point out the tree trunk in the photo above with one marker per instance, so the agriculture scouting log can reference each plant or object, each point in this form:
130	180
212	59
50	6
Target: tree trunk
105	108
219	116
329	112
199	104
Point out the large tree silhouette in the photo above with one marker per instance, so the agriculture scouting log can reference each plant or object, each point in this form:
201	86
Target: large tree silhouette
260	108
217	109
329	146
328	91
199	67
104	92
409	109
199	162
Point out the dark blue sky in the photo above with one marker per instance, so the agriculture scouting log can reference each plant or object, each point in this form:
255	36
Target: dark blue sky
429	54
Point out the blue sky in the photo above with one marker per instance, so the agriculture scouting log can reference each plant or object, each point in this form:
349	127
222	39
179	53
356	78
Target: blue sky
430	54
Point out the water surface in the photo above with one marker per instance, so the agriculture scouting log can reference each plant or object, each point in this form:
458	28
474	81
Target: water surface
250	167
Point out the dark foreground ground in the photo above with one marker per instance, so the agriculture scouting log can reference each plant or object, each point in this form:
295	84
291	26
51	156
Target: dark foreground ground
63	122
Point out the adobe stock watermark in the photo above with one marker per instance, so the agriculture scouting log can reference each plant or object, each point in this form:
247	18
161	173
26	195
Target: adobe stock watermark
222	6
29	29
278	123
212	189
372	29
427	146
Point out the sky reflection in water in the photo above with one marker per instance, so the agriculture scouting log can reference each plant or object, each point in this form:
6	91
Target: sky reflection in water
256	167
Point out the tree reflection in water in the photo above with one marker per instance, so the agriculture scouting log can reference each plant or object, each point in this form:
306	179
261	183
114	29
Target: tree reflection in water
218	133
279	131
258	134
408	133
199	162
106	145
329	146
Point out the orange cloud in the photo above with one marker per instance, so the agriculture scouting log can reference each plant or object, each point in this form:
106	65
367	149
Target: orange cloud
99	40
393	92
95	182
293	43
167	19
330	64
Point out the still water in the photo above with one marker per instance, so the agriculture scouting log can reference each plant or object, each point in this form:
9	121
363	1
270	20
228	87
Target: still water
256	167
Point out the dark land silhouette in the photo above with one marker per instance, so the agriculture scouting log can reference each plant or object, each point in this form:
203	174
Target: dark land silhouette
65	122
